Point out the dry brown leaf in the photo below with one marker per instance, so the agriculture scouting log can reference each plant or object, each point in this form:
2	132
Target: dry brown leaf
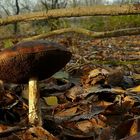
104	104
67	112
74	92
98	123
134	128
37	133
3	127
106	134
97	79
104	71
95	76
94	73
85	126
92	125
128	102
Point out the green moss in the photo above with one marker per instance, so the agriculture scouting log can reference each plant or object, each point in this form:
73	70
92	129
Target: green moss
107	23
43	26
91	23
7	43
55	24
119	22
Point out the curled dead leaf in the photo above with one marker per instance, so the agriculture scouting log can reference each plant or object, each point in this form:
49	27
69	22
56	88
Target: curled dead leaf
74	93
67	112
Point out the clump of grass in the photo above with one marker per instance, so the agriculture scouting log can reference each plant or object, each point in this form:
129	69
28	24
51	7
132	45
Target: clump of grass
49	25
119	22
107	23
7	43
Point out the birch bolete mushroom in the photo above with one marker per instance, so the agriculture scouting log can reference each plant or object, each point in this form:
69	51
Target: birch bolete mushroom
32	61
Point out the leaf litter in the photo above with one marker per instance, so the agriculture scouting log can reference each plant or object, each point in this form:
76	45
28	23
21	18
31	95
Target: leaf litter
95	97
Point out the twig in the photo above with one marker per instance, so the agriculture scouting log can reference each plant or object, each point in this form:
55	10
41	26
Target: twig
11	130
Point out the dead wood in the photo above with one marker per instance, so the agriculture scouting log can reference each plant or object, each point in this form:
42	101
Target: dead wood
115	33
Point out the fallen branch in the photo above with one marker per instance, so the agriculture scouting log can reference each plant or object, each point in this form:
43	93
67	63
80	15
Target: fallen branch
108	10
115	33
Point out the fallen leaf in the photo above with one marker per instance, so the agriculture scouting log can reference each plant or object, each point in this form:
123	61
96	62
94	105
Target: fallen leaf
67	112
134	128
52	100
3	127
85	126
106	134
37	133
74	92
94	73
104	104
134	89
128	102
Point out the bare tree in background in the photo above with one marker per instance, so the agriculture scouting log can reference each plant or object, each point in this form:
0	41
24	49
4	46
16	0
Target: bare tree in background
4	10
14	7
54	4
126	1
16	28
26	6
10	7
74	3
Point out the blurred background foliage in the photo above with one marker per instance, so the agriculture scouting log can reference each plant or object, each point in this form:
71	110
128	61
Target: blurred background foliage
98	24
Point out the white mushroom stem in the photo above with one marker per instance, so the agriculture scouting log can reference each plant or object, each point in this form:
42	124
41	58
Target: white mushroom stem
35	117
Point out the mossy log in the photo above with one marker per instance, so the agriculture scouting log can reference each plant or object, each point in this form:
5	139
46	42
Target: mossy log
115	33
104	10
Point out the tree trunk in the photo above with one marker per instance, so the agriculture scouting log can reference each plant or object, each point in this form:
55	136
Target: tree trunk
17	12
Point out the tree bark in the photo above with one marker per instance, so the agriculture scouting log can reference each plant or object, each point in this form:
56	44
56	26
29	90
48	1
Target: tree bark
109	10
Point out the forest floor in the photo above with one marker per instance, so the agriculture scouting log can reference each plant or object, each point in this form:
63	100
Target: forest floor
95	97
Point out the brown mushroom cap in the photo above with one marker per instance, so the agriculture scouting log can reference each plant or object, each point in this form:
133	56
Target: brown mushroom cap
39	59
